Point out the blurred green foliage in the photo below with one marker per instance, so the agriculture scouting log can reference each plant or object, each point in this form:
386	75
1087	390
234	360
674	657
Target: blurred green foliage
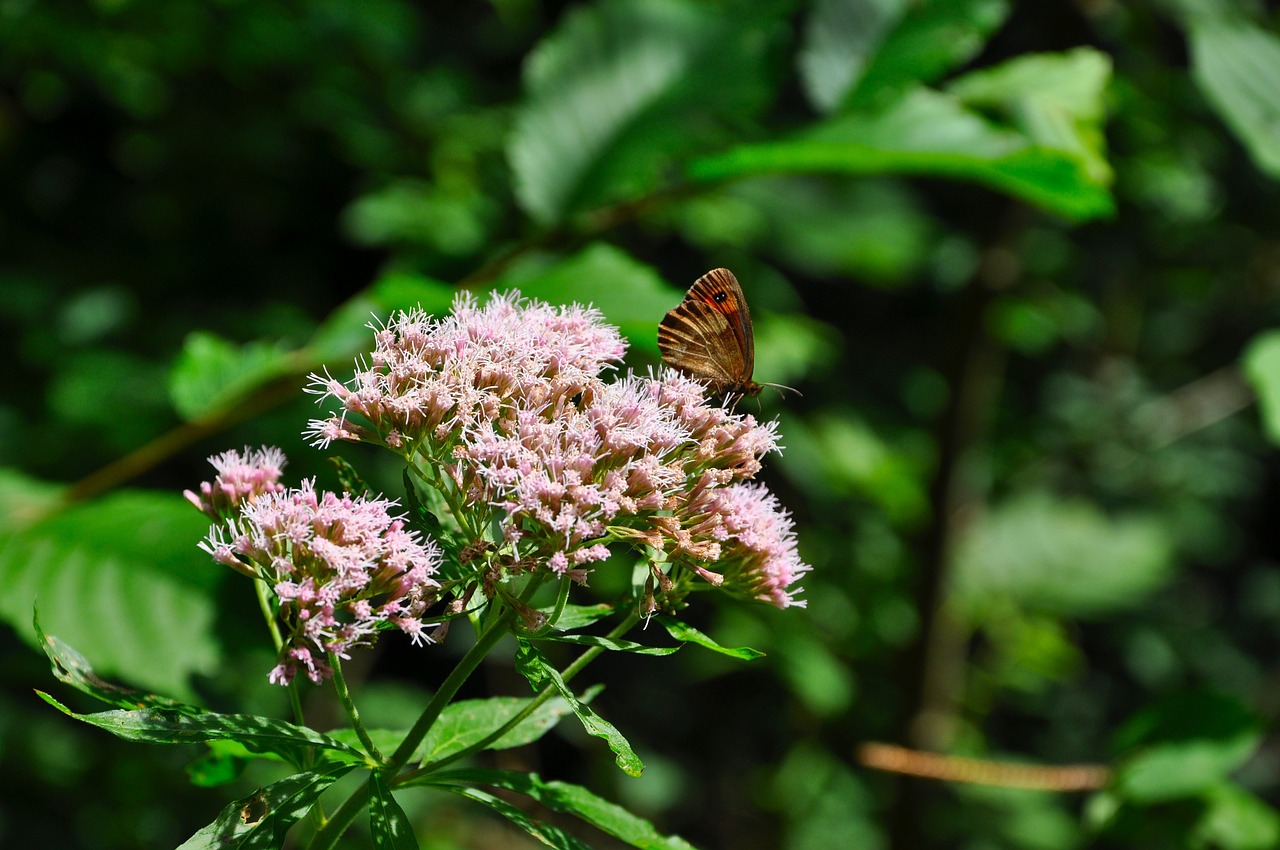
1018	259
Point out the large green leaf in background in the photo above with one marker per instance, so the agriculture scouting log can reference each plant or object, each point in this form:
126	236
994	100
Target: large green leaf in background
1048	151
1062	557
860	52
1261	363
619	89
121	580
1237	65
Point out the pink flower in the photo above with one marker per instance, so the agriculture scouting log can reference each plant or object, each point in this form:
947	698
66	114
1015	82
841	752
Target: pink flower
430	379
758	557
342	569
241	478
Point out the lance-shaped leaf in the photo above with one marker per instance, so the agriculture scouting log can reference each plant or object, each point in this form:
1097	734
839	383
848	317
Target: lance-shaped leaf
260	821
467	722
74	669
611	644
548	835
688	634
540	674
570	799
191	725
388	823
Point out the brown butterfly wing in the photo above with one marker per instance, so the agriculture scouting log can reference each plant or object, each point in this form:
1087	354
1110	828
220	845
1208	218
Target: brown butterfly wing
709	336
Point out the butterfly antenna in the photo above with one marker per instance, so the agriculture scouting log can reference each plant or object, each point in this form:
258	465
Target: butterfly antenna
781	387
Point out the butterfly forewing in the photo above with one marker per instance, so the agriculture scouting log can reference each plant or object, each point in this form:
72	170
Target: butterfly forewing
709	337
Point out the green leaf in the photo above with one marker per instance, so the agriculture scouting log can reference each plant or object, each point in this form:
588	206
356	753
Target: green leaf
346	332
1237	820
1185	746
260	821
611	644
121	579
840	39
74	669
212	373
539	673
223	763
548	835
1261	362
348	478
688	634
570	799
465	722
190	725
931	39
1061	556
926	133
1237	66
388	823
573	617
631	295
622	87
1056	99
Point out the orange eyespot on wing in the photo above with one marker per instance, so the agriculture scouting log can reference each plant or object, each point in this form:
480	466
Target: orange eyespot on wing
708	336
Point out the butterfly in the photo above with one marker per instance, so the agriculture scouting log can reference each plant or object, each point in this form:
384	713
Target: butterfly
708	336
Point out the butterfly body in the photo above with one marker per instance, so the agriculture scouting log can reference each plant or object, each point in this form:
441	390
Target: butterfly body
708	336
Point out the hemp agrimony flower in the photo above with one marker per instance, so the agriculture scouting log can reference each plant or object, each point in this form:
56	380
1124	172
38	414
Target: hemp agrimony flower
341	568
502	412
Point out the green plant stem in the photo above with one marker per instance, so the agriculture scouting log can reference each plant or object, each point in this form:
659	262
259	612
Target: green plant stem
264	602
344	696
546	693
327	836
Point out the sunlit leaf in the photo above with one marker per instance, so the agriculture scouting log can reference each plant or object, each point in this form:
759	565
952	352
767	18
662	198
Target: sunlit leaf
213	373
260	821
1237	66
926	133
545	833
1261	362
121	580
388	823
840	37
570	799
617	90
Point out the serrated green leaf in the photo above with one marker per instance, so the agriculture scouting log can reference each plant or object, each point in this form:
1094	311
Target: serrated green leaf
260	821
545	833
531	665
688	634
388	823
121	579
212	373
926	133
1261	361
1237	66
618	90
191	725
466	722
570	799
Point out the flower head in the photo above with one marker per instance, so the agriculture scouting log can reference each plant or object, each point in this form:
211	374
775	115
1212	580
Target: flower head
342	569
431	379
242	478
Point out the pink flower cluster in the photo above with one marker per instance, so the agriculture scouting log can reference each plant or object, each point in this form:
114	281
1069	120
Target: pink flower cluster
432	379
342	569
507	403
241	478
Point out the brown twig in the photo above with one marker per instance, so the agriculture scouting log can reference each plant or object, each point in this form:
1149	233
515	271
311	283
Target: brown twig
974	771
